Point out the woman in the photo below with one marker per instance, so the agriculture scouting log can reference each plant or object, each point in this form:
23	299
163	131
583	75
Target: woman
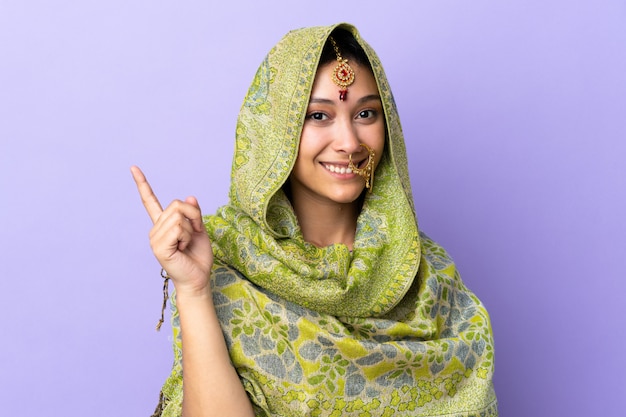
313	292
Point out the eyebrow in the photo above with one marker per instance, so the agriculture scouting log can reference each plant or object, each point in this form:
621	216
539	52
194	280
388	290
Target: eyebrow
370	97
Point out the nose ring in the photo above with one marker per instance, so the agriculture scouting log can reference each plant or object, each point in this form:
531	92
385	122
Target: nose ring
367	172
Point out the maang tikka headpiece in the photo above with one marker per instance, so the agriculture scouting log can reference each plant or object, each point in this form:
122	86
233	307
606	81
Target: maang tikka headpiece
343	74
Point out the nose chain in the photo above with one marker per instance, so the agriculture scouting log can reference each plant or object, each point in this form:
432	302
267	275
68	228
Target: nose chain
367	172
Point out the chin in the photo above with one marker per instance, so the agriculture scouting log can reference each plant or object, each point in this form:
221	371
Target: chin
347	197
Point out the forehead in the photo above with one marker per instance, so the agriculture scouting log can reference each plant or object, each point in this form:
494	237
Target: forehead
364	81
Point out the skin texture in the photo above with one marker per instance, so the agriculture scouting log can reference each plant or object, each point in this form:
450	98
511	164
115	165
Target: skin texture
326	204
182	247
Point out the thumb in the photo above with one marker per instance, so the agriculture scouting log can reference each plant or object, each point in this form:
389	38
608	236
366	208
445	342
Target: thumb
196	222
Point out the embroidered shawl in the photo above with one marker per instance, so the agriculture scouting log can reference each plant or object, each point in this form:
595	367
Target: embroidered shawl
386	329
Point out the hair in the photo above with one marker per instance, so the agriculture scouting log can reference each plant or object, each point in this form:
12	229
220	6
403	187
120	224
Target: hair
349	49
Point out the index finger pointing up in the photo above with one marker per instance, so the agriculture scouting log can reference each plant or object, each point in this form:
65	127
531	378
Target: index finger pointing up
149	200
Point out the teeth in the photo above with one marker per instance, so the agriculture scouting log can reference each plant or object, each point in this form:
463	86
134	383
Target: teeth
338	169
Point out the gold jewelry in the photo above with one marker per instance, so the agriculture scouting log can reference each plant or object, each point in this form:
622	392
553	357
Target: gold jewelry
343	74
166	295
367	172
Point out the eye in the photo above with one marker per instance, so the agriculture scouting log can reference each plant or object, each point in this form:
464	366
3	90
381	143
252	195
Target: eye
366	114
317	116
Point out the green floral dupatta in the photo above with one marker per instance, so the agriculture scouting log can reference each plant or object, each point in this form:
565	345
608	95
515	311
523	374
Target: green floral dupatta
387	329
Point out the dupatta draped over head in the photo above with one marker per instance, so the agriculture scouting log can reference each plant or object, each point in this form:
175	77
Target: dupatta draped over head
387	329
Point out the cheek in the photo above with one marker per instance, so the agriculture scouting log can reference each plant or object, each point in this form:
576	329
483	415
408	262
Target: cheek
304	141
381	139
381	144
308	139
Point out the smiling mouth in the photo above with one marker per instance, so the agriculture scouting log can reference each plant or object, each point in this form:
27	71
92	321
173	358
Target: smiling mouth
338	169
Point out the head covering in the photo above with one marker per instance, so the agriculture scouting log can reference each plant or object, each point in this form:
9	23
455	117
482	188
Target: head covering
259	222
387	328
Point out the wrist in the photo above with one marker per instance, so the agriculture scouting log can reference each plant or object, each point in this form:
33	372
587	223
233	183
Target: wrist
195	284
184	293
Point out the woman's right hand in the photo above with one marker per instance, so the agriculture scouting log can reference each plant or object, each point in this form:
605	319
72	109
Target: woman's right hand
211	386
178	239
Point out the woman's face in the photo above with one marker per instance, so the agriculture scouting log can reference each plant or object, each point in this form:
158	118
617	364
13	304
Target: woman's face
333	130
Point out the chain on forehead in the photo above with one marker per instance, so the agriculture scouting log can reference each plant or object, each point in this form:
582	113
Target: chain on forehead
343	74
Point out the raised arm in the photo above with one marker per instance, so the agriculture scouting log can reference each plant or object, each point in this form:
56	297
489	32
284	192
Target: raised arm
211	386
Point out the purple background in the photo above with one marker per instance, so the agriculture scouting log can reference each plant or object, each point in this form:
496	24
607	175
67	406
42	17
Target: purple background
515	119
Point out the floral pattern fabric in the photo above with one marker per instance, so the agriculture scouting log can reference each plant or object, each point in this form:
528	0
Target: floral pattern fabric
387	329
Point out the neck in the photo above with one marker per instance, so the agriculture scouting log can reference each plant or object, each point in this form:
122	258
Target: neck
326	223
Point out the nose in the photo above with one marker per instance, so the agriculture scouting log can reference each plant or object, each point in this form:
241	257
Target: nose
346	137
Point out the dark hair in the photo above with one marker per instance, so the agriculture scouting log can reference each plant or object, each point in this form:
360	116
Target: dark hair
348	48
